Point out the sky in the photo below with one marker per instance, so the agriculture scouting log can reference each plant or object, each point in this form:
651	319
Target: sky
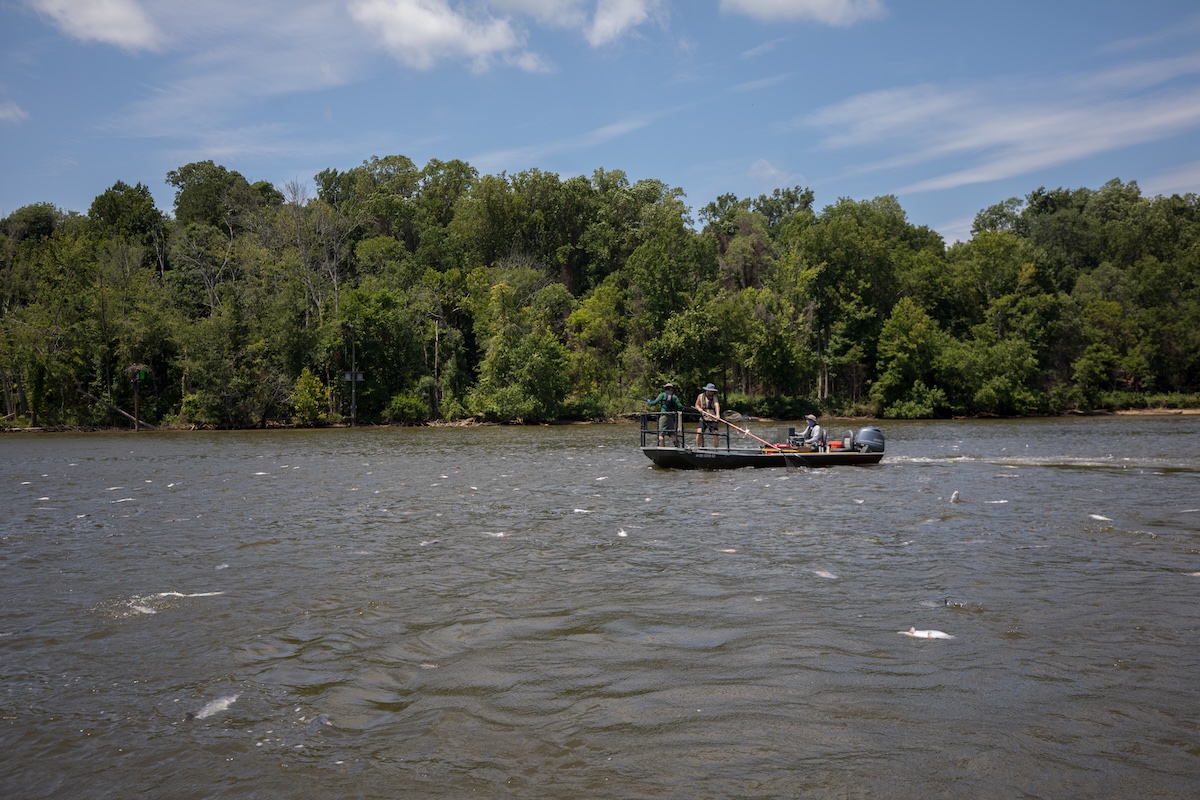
952	106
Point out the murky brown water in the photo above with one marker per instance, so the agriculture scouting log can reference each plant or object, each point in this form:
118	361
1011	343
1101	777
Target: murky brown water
537	612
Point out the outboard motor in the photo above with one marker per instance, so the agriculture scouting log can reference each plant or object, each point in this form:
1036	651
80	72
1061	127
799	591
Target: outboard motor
869	440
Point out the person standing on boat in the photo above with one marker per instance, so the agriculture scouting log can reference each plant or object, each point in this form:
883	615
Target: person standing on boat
814	435
668	404
710	411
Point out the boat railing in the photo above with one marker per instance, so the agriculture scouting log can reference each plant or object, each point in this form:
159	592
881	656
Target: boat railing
687	426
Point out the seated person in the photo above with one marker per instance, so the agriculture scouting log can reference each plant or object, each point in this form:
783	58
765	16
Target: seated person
814	435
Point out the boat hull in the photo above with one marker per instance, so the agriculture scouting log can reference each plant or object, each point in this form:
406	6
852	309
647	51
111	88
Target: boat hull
684	458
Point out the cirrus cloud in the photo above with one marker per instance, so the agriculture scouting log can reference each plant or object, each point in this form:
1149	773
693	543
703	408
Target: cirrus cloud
829	12
1010	127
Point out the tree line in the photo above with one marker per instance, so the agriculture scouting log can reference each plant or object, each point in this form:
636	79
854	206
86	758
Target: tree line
530	298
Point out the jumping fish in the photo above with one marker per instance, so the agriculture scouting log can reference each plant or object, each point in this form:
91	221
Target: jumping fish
916	634
214	706
954	496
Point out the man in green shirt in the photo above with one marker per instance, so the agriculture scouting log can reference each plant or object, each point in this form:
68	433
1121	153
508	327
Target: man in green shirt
668	404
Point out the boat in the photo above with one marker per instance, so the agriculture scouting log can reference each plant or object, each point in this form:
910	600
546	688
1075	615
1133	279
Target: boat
851	449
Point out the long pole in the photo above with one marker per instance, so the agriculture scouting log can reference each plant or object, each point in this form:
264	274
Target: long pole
353	380
736	428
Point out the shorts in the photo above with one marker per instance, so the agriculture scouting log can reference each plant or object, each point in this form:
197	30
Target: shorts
708	426
666	422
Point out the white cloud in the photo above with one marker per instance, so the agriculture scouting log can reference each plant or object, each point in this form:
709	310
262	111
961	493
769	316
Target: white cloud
229	54
764	48
1005	129
1184	179
1143	74
829	12
614	17
118	22
562	13
955	230
767	172
878	116
1042	138
534	153
11	112
762	83
420	32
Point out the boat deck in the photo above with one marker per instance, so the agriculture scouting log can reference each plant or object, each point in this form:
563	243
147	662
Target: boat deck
677	452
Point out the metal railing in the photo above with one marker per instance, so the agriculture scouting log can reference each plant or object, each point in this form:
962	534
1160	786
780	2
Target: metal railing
680	429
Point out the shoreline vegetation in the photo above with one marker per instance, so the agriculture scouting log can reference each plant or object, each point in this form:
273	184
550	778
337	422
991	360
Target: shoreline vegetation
616	420
433	295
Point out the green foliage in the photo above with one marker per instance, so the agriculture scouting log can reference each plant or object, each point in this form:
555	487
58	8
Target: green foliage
407	408
920	402
128	212
310	399
909	348
528	297
209	194
522	379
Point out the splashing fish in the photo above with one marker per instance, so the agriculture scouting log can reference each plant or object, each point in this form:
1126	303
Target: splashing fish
916	634
214	706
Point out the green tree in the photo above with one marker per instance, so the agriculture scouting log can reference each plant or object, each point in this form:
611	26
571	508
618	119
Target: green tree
310	398
209	194
910	345
522	378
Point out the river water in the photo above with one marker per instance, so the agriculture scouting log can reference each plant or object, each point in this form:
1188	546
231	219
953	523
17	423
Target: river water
539	612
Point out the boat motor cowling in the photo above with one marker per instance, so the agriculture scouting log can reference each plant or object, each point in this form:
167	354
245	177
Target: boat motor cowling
869	440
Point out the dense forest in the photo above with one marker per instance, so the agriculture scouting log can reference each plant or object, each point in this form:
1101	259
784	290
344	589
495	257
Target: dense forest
530	298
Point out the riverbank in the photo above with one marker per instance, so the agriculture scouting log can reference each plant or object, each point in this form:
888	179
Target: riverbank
471	423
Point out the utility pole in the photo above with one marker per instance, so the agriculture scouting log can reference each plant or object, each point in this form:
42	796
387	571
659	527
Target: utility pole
353	377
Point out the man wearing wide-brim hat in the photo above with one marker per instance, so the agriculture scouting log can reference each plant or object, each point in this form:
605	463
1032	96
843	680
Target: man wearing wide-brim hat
710	412
814	435
669	404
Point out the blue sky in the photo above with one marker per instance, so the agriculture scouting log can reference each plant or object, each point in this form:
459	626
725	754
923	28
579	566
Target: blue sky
951	105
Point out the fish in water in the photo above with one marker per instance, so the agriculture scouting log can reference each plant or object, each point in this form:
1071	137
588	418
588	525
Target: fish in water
296	738
316	723
916	634
214	706
954	496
